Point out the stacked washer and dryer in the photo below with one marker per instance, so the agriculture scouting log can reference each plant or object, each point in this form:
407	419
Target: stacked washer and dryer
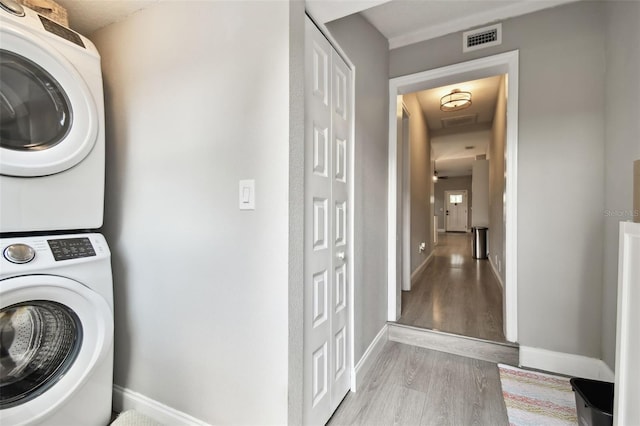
56	290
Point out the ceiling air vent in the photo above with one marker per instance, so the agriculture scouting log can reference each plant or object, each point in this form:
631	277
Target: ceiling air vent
482	37
462	120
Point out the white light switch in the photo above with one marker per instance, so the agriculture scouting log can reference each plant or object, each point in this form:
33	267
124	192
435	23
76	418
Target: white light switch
247	194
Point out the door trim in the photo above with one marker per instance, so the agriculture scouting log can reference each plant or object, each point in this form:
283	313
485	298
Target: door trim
504	63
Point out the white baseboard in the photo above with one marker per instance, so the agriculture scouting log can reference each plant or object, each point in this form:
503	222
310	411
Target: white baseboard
421	268
564	363
442	230
496	273
368	359
126	399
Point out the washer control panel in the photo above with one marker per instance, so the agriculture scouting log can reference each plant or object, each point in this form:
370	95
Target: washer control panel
71	248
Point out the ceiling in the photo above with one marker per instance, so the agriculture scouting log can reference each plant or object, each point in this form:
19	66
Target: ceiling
401	21
405	22
484	94
87	16
455	147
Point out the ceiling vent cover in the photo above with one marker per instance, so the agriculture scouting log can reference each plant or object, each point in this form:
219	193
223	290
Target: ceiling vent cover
482	37
462	120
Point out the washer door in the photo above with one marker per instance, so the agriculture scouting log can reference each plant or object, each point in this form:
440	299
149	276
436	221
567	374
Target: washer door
48	118
53	332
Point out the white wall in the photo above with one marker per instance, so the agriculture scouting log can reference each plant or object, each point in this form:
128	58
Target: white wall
296	209
480	193
197	98
421	182
621	148
560	167
369	51
497	182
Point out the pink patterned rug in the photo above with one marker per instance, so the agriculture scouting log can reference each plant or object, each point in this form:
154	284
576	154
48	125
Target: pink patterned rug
534	398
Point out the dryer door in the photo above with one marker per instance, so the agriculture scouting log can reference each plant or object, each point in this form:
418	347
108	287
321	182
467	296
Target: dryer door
48	118
53	332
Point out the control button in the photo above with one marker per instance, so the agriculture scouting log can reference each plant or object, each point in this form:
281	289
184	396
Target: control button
19	253
12	6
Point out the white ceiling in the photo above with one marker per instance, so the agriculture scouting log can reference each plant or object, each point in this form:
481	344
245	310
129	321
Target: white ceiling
405	22
454	149
484	94
454	154
87	16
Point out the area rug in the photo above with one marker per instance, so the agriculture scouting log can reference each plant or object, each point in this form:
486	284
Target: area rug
134	418
534	398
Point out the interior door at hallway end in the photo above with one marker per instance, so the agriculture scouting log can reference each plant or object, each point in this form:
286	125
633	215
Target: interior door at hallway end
456	219
327	355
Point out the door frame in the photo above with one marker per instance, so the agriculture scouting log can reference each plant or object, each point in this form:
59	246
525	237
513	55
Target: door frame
446	203
404	117
503	63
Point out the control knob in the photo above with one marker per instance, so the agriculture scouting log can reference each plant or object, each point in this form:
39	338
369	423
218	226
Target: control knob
12	6
19	253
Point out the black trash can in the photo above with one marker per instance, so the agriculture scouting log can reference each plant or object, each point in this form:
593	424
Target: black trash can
479	250
594	402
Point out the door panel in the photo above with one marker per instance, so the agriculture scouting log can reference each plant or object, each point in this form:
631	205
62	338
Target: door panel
318	273
327	243
340	125
456	215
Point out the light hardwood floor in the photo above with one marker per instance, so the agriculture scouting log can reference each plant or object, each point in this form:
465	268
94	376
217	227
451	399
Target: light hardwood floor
409	385
456	293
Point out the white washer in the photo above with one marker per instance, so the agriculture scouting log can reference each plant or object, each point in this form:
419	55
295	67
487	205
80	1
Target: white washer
51	125
56	330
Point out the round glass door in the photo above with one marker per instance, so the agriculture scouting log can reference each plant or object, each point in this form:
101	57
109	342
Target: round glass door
35	113
39	340
49	121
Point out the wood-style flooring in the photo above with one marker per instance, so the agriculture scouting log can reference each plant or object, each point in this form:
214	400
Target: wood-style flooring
456	293
409	385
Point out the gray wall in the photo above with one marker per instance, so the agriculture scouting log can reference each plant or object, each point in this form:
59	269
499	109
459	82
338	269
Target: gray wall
450	184
480	193
621	148
369	51
201	288
421	182
497	182
560	167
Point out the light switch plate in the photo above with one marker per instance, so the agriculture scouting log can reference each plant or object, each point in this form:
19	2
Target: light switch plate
247	194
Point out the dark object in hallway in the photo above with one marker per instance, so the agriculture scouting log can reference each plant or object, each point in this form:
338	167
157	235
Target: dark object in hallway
479	242
594	402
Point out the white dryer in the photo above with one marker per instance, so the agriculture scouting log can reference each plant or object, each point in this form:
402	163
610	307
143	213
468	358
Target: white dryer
51	125
56	330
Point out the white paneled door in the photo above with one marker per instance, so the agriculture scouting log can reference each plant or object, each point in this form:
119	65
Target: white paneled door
327	238
456	211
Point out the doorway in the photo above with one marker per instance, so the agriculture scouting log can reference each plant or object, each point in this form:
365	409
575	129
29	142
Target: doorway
456	214
506	63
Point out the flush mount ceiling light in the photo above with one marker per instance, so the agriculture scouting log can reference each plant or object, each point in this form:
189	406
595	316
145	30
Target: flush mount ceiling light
455	101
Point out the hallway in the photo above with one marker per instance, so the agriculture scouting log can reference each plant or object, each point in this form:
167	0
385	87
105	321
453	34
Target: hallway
456	293
416	386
